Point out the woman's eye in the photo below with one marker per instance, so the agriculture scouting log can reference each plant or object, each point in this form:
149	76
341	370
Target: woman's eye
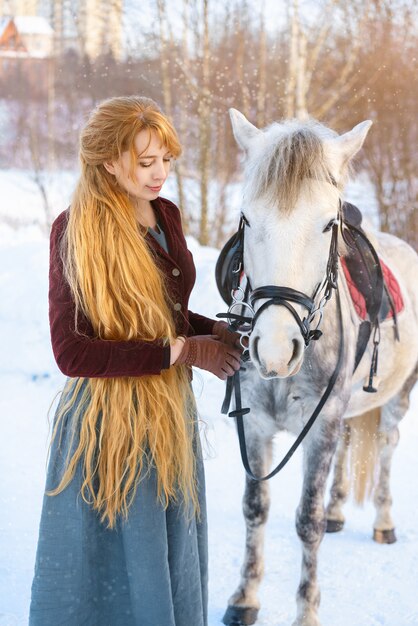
168	159
329	225
145	164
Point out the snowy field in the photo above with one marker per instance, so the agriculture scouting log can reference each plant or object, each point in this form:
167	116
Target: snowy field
362	583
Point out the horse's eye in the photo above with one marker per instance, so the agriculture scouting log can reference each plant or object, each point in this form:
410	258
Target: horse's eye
329	225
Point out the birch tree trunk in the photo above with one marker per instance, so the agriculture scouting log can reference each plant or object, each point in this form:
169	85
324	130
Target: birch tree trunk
204	110
183	119
297	88
51	112
301	84
290	88
245	100
167	52
262	57
164	62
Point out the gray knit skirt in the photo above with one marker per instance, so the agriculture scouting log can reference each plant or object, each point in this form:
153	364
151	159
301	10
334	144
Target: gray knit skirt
150	570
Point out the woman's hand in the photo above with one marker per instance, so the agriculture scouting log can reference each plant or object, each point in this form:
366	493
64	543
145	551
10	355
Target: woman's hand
230	337
211	354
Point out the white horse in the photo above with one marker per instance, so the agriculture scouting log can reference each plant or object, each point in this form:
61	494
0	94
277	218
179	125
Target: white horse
294	177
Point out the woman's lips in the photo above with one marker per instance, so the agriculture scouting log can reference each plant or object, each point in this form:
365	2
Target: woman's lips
154	188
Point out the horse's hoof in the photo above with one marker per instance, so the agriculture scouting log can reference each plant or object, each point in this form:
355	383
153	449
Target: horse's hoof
240	616
334	526
384	536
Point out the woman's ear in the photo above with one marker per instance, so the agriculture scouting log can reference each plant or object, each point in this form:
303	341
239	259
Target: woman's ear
110	167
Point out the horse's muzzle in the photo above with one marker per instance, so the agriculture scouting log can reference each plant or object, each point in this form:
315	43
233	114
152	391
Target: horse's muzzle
274	368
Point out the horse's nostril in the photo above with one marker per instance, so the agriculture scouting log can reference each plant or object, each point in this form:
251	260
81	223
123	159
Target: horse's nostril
255	348
296	350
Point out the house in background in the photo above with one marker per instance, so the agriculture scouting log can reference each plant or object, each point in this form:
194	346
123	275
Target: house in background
26	35
88	27
26	45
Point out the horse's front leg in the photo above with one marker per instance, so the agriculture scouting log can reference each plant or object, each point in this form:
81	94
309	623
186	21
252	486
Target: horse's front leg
243	605
310	516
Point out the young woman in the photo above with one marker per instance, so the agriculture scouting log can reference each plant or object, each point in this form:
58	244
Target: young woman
122	537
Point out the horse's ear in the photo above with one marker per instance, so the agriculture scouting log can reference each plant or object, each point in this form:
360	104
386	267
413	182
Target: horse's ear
243	130
351	142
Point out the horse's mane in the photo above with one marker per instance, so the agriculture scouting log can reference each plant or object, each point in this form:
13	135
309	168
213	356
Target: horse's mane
293	151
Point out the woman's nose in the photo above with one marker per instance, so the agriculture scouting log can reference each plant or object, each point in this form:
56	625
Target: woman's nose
159	171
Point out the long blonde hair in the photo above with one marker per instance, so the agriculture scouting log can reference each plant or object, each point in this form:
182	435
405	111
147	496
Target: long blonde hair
125	424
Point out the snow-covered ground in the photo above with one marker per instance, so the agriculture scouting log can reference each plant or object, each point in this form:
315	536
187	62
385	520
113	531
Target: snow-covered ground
362	583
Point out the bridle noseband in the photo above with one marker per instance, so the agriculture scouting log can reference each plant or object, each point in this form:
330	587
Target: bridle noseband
284	296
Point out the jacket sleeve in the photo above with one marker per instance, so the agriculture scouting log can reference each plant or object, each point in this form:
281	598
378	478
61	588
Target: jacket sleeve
79	353
201	325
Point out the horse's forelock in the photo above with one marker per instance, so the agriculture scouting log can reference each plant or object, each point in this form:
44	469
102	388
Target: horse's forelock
290	158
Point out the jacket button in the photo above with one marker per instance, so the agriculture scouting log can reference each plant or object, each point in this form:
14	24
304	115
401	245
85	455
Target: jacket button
175	272
177	306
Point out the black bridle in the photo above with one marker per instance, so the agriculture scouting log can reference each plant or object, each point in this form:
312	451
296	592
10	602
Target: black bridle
283	296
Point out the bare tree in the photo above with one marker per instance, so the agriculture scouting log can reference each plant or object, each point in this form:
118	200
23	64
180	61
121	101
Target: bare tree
390	151
307	51
39	169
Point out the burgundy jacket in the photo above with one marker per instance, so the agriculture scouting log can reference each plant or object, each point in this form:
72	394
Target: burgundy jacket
86	356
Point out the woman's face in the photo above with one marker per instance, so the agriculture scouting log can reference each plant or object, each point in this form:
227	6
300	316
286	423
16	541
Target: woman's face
150	169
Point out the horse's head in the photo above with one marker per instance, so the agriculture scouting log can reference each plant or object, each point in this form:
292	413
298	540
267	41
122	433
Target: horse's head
294	174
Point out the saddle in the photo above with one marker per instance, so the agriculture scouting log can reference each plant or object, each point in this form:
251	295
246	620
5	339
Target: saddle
373	288
361	291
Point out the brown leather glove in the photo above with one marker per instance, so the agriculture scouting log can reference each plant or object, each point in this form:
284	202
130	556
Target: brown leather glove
229	337
211	354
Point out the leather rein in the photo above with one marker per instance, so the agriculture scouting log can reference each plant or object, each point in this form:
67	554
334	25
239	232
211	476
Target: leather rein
282	296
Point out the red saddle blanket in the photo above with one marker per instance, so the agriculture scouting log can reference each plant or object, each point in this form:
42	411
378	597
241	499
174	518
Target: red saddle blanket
359	301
